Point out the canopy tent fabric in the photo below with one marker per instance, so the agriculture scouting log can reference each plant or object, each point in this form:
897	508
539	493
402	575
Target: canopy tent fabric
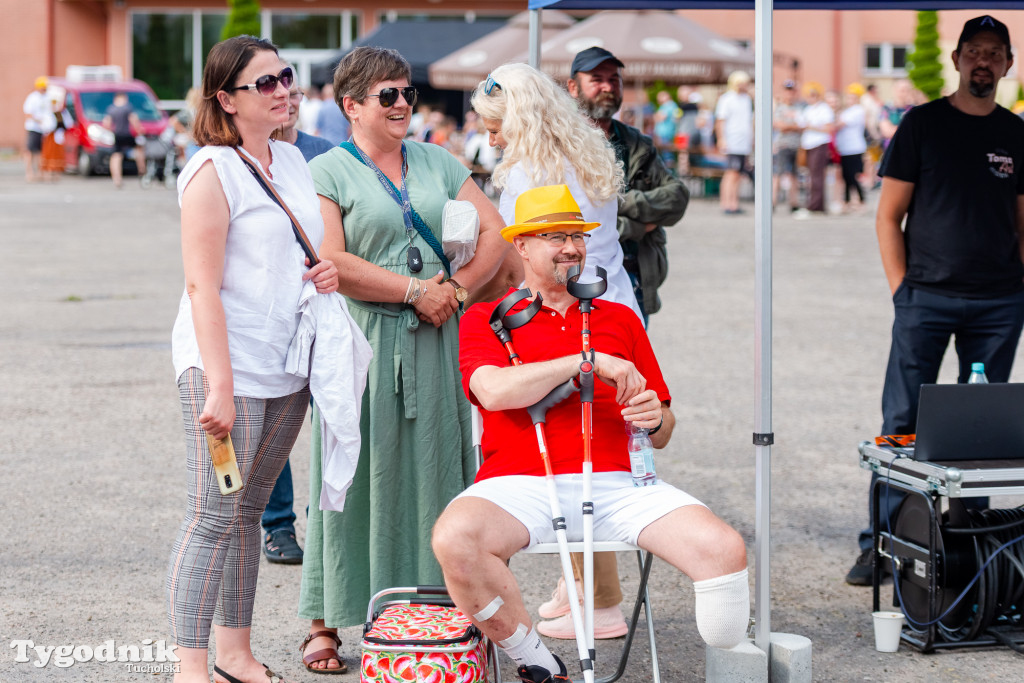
655	45
421	42
464	68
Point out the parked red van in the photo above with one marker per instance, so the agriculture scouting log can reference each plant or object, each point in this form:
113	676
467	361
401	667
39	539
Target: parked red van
90	91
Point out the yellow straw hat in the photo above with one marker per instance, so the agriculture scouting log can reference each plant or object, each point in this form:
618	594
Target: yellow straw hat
41	82
545	208
856	89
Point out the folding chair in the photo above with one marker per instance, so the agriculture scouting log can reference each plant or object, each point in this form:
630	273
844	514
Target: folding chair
643	598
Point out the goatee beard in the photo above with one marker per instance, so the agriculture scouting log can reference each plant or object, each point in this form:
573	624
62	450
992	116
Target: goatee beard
562	276
981	89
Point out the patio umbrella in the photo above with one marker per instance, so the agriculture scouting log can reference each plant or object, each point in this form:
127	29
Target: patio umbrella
654	46
470	64
420	42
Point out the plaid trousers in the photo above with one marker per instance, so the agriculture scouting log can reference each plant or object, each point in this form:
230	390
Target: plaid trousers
217	551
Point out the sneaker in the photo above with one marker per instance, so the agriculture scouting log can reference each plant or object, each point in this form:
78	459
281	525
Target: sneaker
860	572
608	623
559	602
280	547
536	674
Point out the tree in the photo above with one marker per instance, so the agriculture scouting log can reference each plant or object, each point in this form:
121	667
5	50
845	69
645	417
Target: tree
926	70
244	19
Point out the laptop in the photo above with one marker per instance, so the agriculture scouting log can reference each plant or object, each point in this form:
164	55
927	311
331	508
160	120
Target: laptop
970	422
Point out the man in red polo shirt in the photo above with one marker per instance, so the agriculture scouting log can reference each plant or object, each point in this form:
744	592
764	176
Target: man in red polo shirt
507	508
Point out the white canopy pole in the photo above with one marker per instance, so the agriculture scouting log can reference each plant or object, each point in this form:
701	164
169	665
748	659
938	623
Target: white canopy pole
535	38
763	437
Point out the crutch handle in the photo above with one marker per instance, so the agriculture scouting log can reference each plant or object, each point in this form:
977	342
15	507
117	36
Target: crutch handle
586	379
538	410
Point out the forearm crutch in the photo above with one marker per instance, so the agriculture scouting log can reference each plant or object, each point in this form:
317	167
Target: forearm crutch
585	294
501	322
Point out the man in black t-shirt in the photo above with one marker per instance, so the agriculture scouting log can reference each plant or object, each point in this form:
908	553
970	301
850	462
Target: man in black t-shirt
954	171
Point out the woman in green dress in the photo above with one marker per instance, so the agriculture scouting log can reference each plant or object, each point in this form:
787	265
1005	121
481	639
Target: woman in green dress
382	198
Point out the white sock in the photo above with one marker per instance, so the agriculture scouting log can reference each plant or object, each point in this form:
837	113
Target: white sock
723	609
531	651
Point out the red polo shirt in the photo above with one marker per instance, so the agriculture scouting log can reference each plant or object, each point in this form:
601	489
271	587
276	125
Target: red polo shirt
510	442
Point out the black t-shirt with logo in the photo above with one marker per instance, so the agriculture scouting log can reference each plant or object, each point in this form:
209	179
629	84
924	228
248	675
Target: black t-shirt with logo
961	229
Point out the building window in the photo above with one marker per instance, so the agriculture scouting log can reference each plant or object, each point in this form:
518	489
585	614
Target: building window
886	59
310	31
899	57
169	48
211	27
162	52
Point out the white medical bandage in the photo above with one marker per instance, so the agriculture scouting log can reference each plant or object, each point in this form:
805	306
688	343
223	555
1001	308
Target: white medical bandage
514	639
489	610
722	609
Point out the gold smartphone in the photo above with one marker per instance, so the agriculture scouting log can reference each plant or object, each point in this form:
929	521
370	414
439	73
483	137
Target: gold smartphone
222	452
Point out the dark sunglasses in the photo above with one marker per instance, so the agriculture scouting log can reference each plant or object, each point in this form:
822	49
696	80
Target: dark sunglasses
490	84
267	85
388	96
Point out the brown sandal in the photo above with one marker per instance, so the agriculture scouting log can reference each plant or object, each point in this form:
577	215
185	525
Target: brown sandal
325	654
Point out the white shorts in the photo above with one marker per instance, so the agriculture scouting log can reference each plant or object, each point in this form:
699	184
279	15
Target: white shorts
621	510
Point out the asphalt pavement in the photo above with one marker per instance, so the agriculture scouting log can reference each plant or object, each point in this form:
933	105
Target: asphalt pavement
91	450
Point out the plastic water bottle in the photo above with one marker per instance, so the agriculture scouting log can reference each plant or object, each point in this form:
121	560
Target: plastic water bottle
641	456
977	374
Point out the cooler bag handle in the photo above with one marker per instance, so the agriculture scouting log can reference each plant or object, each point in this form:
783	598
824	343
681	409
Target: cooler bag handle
417	590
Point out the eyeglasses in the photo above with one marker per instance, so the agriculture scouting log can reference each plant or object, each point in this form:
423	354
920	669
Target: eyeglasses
297	95
490	84
267	85
557	239
388	96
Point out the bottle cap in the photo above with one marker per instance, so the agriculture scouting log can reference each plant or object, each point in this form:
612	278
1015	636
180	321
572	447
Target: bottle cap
977	367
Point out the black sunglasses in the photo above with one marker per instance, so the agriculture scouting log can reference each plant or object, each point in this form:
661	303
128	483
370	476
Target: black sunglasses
388	96
267	85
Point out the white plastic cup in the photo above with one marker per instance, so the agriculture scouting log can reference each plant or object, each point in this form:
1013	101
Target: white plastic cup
888	627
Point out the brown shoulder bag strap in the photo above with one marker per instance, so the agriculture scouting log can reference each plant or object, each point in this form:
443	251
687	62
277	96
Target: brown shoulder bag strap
300	234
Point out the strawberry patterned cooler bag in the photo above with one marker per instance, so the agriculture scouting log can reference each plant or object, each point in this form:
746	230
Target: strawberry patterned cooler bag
421	641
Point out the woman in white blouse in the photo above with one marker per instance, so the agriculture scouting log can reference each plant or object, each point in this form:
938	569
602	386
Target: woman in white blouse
244	270
545	140
817	120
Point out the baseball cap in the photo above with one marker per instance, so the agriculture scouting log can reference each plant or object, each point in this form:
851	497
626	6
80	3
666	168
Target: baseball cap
984	23
588	59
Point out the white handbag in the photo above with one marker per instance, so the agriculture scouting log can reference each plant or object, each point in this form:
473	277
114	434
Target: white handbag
460	227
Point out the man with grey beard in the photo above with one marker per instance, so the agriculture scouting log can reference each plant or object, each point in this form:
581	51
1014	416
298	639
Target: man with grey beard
653	198
954	171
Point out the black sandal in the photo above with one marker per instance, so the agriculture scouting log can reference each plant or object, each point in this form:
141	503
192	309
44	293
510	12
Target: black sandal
273	677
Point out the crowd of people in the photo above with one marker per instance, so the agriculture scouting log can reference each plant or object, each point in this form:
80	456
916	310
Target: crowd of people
365	296
826	145
316	269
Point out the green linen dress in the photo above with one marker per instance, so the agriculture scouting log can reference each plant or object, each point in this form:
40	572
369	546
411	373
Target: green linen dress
417	451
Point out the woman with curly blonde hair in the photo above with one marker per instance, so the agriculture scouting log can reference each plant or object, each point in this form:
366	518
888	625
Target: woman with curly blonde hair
545	140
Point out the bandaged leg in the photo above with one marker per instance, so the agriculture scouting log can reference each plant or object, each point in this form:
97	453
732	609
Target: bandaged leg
490	610
723	609
526	649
